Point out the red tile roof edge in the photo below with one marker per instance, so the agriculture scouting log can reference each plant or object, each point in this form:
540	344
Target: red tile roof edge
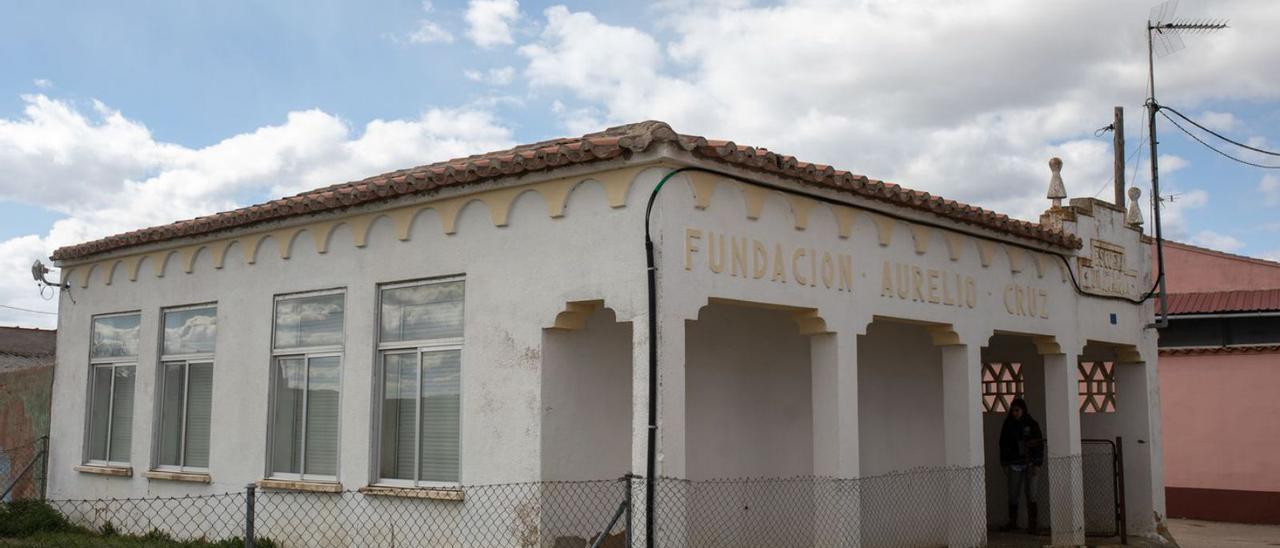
1210	302
615	142
1202	350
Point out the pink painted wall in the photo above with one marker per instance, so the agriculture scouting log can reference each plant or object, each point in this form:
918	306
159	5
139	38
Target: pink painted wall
1190	269
1221	421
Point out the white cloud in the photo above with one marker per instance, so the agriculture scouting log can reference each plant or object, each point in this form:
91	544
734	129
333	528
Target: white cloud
1174	215
1214	240
123	178
429	32
489	21
968	100
1221	121
494	77
43	83
1269	186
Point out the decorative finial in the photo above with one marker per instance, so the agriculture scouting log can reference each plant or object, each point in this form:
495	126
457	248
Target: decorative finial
1134	215
1057	190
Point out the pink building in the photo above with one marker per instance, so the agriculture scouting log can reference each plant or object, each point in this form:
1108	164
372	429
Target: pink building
1219	373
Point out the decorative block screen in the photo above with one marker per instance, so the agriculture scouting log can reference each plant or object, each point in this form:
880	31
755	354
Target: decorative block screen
1097	387
1001	383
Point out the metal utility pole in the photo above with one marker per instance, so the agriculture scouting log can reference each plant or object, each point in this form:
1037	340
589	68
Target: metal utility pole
1117	127
1164	30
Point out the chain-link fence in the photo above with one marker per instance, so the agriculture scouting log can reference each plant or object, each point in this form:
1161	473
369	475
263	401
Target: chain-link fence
1099	474
924	507
22	470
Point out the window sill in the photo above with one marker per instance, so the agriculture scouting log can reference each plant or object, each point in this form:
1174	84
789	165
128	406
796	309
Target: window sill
117	471
298	485
433	493
193	477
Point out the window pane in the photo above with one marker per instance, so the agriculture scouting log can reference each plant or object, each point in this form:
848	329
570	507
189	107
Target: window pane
171	413
199	404
441	387
430	311
190	331
399	414
322	416
309	321
115	336
121	415
100	414
286	419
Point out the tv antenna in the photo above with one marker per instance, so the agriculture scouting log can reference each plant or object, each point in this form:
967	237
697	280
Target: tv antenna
1164	37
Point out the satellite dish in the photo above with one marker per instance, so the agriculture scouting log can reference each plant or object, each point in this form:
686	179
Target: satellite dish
39	271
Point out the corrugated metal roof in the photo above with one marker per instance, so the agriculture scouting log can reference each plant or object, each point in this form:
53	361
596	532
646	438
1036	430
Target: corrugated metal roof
1220	302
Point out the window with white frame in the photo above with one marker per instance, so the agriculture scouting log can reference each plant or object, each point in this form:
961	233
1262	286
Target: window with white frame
420	369
113	361
306	365
186	387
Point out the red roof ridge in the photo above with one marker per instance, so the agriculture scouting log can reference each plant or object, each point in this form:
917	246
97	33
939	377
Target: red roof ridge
615	142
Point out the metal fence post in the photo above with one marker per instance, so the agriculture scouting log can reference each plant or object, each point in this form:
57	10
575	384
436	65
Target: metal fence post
1121	510
43	480
626	497
248	514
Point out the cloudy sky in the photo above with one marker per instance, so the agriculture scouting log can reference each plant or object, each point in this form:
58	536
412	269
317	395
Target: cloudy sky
123	116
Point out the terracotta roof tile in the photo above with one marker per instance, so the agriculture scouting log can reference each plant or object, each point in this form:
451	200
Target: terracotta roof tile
611	143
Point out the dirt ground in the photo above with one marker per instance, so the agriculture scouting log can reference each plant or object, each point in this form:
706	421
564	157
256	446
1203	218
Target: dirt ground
1211	534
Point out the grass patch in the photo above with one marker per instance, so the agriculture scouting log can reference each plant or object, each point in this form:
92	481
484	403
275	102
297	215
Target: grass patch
35	524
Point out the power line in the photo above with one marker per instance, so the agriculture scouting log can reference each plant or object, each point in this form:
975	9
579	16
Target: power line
1216	134
1209	146
20	309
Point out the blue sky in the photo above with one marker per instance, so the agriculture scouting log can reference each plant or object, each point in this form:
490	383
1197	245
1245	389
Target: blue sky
135	113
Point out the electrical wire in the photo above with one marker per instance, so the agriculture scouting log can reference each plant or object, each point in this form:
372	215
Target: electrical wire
20	309
1216	134
1209	146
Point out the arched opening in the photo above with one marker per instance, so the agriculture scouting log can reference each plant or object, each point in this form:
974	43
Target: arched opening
900	430
585	418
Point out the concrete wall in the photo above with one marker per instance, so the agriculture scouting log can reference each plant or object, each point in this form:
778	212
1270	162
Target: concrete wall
24	416
899	399
506	309
749	409
1190	269
586	401
1222	431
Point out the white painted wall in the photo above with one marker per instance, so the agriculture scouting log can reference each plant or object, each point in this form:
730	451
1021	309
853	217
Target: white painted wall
520	275
899	399
749	409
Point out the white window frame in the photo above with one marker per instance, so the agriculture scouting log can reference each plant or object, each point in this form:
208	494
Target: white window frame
306	354
111	363
187	361
417	347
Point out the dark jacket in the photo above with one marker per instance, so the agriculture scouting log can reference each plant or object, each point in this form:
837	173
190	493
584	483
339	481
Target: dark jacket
1021	442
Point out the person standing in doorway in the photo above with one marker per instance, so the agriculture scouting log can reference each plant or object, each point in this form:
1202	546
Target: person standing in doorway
1021	455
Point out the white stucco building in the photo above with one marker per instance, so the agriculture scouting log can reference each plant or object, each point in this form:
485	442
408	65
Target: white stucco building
485	320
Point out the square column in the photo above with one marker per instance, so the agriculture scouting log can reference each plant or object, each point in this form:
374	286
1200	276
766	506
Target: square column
962	416
671	492
1062	428
1134	407
834	377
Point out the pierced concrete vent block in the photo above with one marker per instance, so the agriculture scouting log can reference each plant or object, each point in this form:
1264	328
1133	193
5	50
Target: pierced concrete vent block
1097	387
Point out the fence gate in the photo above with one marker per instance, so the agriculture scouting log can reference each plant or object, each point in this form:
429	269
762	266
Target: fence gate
1102	472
